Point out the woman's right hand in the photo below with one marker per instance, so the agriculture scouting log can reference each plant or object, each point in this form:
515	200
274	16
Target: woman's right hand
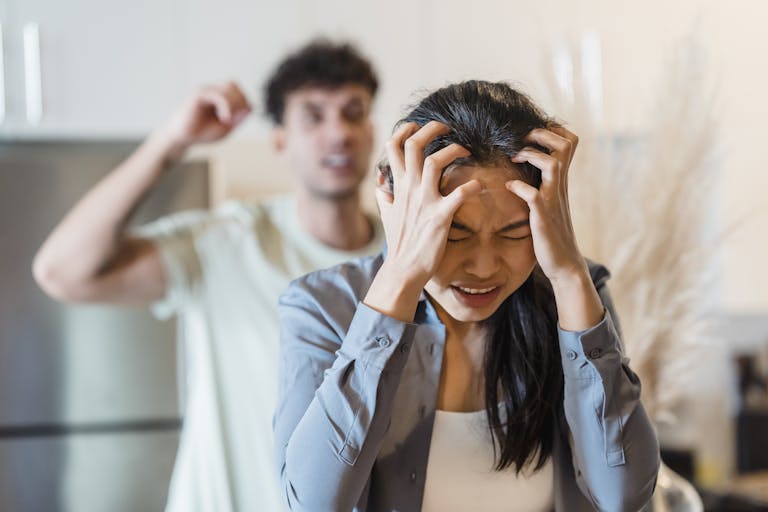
416	217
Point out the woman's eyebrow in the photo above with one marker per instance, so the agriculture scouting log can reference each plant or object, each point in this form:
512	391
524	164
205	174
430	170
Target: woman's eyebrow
514	225
461	227
509	227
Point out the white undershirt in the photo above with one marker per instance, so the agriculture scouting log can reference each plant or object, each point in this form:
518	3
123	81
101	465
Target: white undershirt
460	474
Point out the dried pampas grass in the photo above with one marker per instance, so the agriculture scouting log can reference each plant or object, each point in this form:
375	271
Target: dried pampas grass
643	206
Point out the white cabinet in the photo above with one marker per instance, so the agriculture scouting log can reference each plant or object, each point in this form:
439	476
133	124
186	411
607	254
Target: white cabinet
105	68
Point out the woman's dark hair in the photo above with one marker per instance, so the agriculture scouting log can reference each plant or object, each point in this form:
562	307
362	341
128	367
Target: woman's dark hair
320	63
523	374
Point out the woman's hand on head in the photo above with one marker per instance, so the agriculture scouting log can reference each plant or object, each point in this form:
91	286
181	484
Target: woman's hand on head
554	241
416	217
578	303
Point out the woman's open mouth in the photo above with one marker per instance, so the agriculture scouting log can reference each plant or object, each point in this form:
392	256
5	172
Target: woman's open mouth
476	297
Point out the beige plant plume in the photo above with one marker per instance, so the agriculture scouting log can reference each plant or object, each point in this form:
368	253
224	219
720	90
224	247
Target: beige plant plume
642	205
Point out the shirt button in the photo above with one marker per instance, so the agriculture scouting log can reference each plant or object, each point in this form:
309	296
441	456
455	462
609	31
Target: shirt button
383	341
572	355
403	348
413	477
595	353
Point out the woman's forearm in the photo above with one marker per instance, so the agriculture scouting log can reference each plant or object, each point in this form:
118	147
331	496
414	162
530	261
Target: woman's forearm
335	402
616	453
578	304
394	293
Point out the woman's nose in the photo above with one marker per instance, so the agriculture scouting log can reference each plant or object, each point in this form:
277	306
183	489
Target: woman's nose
482	262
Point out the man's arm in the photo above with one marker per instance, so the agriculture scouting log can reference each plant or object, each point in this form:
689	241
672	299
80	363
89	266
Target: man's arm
89	256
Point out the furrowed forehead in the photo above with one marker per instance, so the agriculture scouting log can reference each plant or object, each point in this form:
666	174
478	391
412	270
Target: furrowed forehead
495	207
491	178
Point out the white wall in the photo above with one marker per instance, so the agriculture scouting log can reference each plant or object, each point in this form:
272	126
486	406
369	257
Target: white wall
423	44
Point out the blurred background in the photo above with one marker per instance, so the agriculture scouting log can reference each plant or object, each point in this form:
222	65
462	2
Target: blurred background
90	398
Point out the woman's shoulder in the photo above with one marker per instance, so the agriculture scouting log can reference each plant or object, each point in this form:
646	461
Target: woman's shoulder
346	282
320	306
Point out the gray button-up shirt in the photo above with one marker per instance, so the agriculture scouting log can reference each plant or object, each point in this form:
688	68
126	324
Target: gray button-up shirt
357	396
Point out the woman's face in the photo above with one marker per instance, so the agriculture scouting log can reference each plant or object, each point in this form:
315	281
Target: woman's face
489	253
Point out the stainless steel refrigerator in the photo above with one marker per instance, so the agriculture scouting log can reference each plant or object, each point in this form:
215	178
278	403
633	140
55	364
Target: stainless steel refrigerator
89	402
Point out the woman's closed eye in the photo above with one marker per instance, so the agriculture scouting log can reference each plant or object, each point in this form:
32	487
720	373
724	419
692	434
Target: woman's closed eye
513	232
462	237
459	232
516	238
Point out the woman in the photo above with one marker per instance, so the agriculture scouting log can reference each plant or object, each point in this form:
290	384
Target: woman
475	365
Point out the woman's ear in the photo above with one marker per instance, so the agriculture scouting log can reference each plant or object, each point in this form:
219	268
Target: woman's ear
384	180
383	193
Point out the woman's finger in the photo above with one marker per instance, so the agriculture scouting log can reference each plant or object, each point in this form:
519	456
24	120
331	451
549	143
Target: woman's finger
566	134
549	165
551	140
416	144
528	193
455	199
394	148
435	163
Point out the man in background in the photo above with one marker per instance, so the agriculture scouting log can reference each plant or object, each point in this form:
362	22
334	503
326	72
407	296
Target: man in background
222	271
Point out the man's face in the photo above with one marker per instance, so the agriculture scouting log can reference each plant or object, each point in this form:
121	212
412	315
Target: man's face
327	136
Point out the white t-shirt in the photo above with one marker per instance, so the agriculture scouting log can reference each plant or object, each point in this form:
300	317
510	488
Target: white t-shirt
460	474
226	270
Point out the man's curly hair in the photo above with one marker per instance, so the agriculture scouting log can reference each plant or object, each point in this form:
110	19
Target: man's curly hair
320	63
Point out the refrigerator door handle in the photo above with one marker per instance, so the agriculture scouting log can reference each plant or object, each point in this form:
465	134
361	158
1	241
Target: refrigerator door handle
32	73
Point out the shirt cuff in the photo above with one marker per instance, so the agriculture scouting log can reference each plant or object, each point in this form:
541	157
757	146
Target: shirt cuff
376	339
582	352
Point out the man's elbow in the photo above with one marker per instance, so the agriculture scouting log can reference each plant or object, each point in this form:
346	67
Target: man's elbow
53	281
47	278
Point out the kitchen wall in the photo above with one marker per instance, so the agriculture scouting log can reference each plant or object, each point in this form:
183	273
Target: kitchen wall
116	70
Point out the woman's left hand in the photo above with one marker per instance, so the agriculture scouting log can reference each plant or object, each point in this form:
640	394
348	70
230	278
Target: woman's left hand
554	241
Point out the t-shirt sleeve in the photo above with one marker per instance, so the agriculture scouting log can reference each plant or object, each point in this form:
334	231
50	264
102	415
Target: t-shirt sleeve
175	236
